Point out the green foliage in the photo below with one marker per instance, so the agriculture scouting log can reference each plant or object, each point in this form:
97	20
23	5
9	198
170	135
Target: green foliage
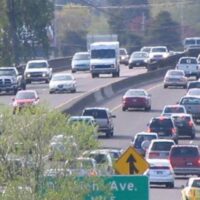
73	23
164	31
24	146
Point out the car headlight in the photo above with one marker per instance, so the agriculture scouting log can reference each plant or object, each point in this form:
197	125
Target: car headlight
44	74
28	75
14	80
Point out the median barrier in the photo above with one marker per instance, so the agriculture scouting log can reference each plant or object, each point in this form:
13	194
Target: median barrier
60	64
109	91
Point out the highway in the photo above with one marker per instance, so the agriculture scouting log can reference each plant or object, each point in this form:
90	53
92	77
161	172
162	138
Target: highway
85	84
131	122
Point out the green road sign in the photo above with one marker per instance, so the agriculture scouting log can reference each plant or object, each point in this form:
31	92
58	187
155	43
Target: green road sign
122	188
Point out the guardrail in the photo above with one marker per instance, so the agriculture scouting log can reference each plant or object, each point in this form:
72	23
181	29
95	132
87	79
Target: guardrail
60	64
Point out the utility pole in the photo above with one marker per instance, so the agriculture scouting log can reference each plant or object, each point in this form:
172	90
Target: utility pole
13	30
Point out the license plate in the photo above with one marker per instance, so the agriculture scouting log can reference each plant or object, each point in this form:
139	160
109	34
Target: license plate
134	100
137	63
189	164
159	172
60	86
161	133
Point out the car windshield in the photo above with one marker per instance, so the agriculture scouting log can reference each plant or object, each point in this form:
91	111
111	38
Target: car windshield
123	52
37	65
188	61
7	72
97	114
88	121
196	183
194	85
146	49
100	158
189	41
174	110
190	101
181	120
103	53
139	55
162	146
176	73
81	56
159	49
80	164
157	123
135	93
25	95
141	138
62	78
194	92
184	152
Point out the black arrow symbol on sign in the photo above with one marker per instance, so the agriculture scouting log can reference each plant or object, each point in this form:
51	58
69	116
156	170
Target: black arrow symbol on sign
132	169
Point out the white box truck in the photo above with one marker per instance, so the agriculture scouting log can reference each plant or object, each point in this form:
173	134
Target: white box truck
104	58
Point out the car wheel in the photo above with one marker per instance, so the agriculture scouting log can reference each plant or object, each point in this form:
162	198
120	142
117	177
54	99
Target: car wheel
73	71
165	86
73	91
95	75
170	185
109	134
15	91
50	92
147	108
185	86
130	67
124	108
47	81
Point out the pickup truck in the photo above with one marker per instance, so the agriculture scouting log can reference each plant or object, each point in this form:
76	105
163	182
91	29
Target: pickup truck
11	80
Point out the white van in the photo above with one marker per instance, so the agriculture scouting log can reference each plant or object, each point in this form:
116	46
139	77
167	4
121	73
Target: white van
104	59
191	43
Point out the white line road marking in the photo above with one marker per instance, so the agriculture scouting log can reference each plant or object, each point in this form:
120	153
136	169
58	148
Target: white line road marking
149	89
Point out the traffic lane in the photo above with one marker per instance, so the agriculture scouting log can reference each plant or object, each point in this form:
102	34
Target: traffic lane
84	84
128	123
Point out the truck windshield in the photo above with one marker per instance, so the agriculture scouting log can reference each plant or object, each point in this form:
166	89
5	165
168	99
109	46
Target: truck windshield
7	72
37	65
103	53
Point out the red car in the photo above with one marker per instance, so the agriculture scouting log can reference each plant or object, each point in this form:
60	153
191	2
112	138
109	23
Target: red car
185	159
25	98
136	99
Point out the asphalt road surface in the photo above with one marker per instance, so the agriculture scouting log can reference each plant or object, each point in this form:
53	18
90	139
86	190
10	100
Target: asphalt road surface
128	123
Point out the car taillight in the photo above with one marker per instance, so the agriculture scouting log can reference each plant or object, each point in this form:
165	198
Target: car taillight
153	155
198	161
92	173
190	123
173	130
149	130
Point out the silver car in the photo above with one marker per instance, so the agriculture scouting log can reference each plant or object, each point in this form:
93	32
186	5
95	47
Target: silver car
175	78
62	82
80	62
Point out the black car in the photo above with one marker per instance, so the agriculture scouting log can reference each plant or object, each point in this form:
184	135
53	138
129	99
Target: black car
164	127
185	125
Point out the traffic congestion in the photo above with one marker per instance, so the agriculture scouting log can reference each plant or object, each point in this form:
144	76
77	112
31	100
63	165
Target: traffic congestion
163	143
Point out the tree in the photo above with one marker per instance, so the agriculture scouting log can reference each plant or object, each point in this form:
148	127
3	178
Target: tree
73	23
127	19
24	29
163	30
24	145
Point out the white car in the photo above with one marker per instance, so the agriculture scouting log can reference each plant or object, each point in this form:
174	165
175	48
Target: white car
175	78
104	160
158	53
160	173
168	110
62	82
193	92
37	70
80	62
190	66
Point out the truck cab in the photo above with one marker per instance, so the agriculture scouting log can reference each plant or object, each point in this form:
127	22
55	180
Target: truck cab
104	59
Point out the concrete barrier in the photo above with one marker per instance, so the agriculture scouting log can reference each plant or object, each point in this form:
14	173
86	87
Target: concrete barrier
109	91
